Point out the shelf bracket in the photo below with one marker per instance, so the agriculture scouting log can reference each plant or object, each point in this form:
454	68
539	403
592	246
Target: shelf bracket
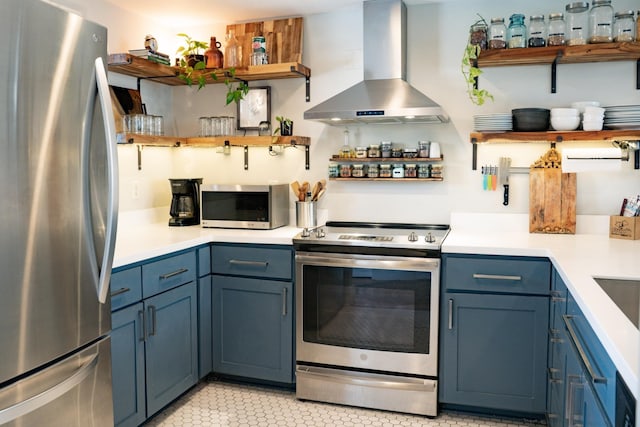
475	79
306	157
228	75
246	157
638	74
474	155
151	78
307	81
554	71
139	157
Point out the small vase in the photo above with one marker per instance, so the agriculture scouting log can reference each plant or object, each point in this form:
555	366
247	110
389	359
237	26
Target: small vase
286	128
213	55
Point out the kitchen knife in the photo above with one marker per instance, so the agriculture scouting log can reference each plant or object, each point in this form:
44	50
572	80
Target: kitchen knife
505	166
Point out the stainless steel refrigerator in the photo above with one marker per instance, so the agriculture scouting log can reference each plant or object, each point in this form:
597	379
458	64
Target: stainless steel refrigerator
58	204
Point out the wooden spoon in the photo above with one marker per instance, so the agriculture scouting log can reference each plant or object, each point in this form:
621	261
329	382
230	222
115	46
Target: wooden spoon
295	187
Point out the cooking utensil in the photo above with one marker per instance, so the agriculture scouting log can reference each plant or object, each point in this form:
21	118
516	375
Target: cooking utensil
505	165
320	194
295	187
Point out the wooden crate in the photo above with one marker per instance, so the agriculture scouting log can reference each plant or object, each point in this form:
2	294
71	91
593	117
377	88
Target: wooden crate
624	227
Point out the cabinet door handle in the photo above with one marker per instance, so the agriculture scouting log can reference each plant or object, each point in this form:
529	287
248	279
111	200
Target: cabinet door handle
119	292
239	262
450	313
173	273
143	330
583	354
284	302
152	315
496	277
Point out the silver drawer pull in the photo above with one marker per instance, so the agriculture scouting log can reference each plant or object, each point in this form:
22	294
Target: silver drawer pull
119	292
173	273
284	302
496	277
583	355
450	325
239	262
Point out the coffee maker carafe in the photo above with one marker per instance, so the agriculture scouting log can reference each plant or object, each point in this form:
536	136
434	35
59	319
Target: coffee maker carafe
185	202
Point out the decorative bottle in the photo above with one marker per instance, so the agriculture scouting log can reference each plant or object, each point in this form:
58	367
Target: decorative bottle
213	56
517	31
232	51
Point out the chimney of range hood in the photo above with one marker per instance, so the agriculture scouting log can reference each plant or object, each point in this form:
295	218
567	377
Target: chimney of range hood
383	96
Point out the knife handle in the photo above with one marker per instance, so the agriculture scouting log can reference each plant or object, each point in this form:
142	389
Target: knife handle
506	195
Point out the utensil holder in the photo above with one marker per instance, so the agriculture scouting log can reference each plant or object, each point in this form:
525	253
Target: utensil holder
306	214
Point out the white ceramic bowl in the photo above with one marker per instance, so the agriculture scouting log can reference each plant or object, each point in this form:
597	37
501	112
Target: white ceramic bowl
564	112
581	104
592	117
594	110
565	123
592	125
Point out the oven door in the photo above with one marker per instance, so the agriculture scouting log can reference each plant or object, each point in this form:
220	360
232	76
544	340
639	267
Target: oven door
365	312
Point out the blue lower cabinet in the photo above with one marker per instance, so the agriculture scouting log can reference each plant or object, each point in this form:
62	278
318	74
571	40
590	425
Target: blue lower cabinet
127	360
171	346
205	319
253	328
494	353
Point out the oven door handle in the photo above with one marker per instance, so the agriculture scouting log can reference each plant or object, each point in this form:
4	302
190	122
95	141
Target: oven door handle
369	261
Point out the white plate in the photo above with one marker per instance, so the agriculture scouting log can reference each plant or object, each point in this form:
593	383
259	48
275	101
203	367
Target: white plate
629	126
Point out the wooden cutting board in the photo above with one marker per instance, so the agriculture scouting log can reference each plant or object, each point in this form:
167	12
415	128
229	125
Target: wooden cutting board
552	197
283	39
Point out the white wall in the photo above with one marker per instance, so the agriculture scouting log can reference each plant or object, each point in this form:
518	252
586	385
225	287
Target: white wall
437	34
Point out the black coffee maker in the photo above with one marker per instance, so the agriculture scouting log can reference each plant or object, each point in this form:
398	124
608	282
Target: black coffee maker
185	203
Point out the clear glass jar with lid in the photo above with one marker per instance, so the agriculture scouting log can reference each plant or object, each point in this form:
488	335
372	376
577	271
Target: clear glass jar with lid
517	31
537	31
624	27
601	22
497	34
577	18
556	29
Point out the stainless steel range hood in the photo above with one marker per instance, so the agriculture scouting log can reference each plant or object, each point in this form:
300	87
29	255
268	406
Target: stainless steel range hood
383	96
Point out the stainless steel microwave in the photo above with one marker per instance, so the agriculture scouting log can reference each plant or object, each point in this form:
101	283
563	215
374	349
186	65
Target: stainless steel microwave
261	207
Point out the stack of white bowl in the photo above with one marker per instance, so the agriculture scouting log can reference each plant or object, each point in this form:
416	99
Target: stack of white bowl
564	119
593	118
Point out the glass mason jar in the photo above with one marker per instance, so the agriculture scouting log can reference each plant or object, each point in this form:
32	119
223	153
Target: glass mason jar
624	27
478	35
537	31
577	19
555	29
517	31
232	51
601	22
497	34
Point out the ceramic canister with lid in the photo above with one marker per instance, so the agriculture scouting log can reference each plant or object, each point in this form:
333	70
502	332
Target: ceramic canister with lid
577	19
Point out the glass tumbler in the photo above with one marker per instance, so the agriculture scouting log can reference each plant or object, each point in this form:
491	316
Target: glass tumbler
205	126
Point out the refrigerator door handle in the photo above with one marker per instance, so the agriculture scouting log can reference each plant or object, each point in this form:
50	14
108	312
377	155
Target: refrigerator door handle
39	400
112	166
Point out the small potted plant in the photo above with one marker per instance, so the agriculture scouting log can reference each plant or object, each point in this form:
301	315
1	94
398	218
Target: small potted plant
476	42
285	128
191	59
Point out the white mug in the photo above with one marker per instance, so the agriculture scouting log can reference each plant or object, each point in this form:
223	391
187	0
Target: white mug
434	150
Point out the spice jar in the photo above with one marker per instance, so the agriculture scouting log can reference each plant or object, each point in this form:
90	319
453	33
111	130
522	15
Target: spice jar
478	35
385	149
361	152
497	34
577	18
334	172
537	31
357	171
396	152
372	171
374	151
423	148
423	171
517	31
555	29
385	171
436	171
410	153
410	171
398	171
601	22
623	27
345	171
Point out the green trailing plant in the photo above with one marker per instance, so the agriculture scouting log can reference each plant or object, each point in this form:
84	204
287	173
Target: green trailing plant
236	90
469	68
191	60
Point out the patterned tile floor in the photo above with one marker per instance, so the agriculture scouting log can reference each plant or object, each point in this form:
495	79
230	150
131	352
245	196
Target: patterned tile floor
221	404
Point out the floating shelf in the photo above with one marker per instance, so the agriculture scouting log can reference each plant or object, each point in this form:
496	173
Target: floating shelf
386	179
385	160
143	69
555	136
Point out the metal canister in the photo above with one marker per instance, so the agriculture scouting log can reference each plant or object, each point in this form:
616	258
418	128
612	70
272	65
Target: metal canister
259	44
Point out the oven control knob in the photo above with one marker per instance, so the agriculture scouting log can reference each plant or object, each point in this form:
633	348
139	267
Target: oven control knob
320	233
413	237
429	238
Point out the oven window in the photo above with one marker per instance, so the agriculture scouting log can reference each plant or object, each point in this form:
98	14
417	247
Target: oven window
235	206
387	310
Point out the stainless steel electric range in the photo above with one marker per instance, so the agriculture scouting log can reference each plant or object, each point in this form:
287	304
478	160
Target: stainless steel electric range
367	315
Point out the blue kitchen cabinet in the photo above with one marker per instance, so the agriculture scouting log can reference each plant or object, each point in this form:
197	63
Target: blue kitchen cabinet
557	357
494	332
253	312
127	359
205	313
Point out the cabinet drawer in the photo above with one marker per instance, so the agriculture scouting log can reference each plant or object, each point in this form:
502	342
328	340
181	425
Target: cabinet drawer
168	273
519	275
126	287
599	368
248	260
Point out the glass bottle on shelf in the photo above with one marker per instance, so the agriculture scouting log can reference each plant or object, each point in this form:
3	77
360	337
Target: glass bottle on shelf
497	34
537	31
601	22
232	51
517	31
346	152
555	30
213	56
623	27
577	18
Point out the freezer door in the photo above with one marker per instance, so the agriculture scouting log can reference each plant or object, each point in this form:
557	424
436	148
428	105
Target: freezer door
54	177
74	392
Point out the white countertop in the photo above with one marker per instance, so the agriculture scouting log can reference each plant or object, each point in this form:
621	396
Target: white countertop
577	258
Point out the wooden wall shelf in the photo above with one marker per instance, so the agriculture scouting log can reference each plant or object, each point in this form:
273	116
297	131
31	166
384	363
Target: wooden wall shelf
387	179
556	136
385	159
